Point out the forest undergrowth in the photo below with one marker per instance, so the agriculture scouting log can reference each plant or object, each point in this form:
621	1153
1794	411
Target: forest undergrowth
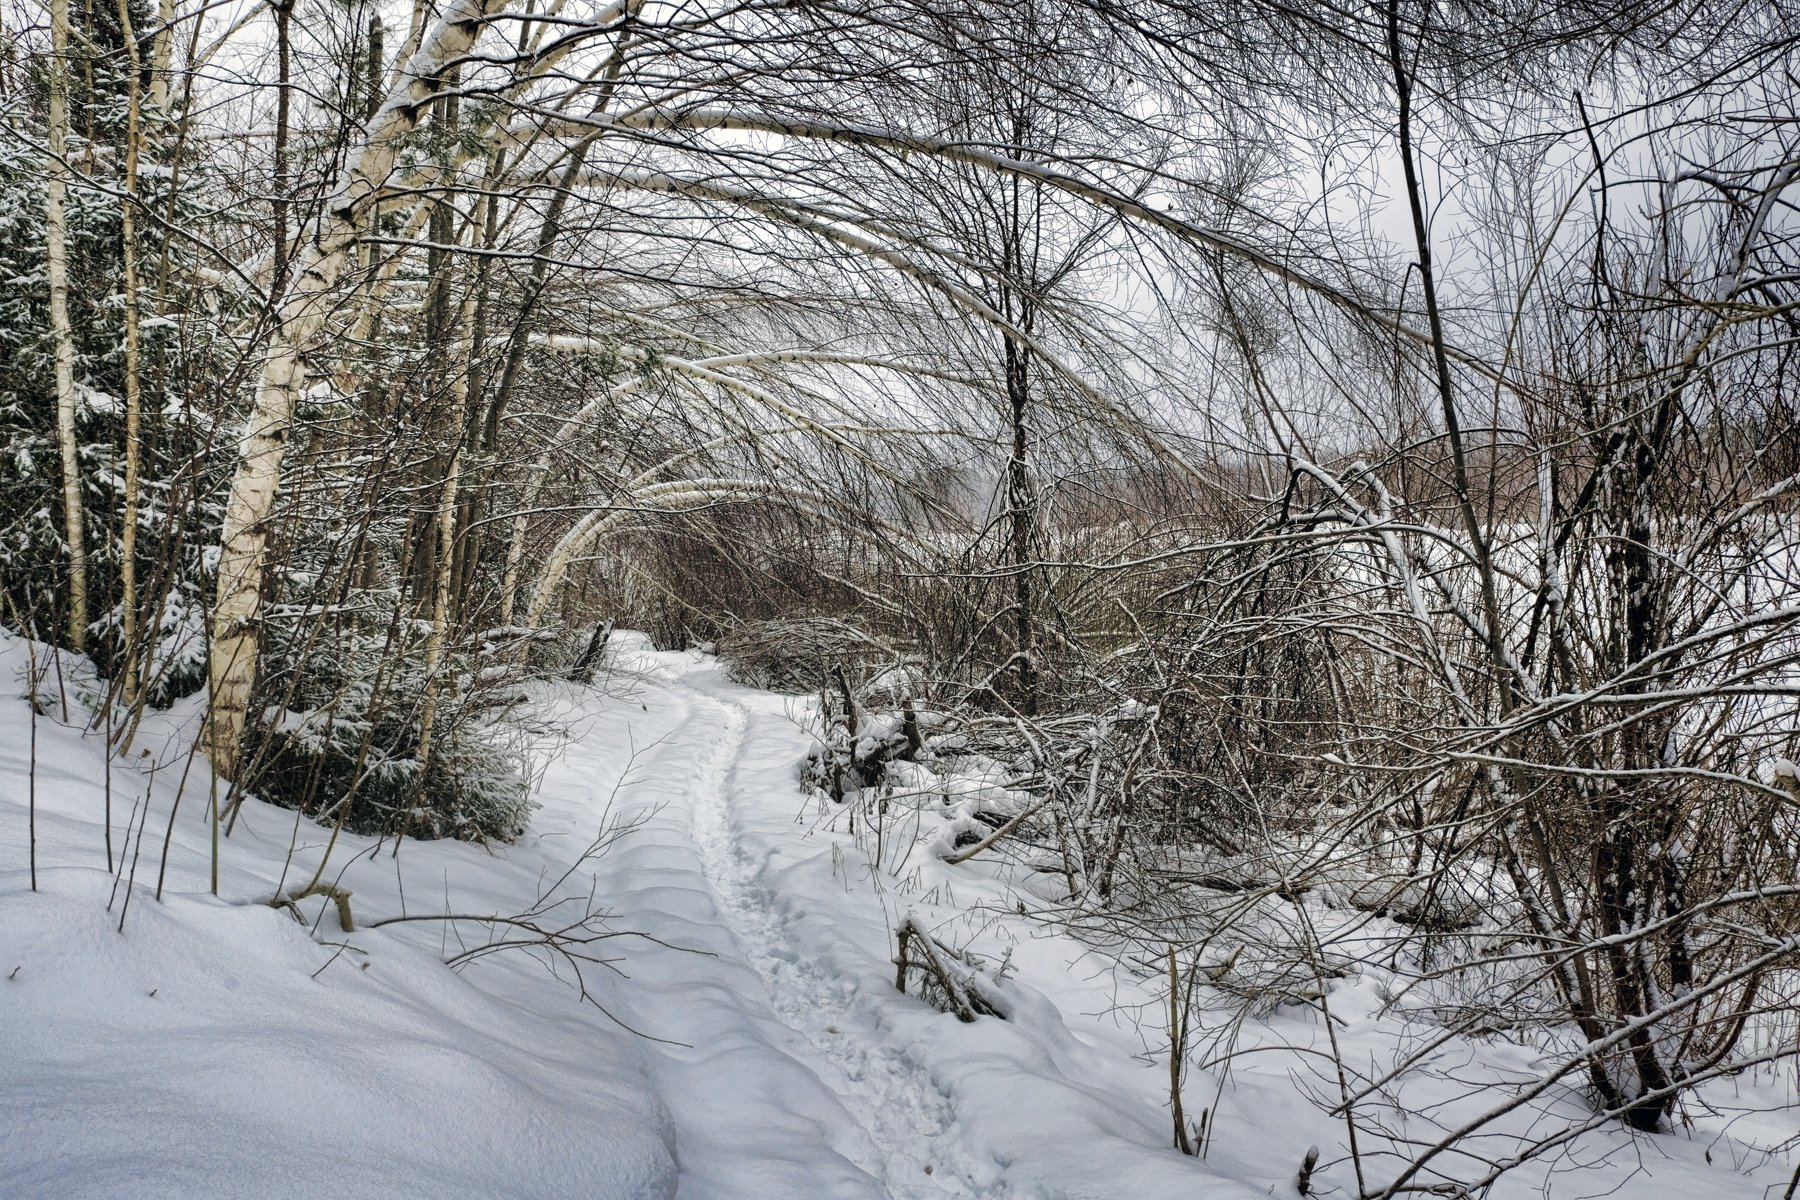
1310	492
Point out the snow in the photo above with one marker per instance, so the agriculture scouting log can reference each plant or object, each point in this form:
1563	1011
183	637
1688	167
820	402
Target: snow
216	1047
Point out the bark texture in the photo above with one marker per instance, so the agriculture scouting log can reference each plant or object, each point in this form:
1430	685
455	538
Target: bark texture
301	317
62	335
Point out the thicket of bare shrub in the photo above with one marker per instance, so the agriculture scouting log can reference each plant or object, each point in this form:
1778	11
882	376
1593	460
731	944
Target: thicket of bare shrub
1337	480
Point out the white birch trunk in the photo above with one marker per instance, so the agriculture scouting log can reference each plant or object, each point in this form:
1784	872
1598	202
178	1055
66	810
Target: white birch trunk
162	55
462	361
62	335
128	591
515	557
302	315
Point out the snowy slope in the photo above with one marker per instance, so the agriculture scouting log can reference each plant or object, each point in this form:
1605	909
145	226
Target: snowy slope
217	1048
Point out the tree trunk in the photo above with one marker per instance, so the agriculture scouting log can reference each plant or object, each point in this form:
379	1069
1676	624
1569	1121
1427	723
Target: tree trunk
162	54
456	325
302	313
440	607
1022	515
128	591
278	208
62	335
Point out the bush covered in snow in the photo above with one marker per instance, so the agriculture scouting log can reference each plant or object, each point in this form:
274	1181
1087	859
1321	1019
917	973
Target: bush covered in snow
344	742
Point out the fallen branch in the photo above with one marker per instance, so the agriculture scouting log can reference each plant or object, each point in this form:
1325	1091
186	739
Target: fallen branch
961	996
995	836
337	895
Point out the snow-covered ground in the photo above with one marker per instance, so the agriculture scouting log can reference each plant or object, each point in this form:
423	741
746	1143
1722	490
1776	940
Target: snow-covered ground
746	1040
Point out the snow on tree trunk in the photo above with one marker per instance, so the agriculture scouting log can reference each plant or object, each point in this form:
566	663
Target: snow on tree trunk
56	256
302	314
128	585
162	55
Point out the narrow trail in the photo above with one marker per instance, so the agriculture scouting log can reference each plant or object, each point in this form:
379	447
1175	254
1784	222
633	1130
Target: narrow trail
906	1117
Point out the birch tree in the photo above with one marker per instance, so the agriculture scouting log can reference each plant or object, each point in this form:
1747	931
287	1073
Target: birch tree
302	313
68	402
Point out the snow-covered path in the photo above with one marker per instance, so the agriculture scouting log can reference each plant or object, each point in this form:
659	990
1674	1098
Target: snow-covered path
804	1072
750	1046
906	1119
758	1009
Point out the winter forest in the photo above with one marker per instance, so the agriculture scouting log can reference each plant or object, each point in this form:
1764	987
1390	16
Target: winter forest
893	599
